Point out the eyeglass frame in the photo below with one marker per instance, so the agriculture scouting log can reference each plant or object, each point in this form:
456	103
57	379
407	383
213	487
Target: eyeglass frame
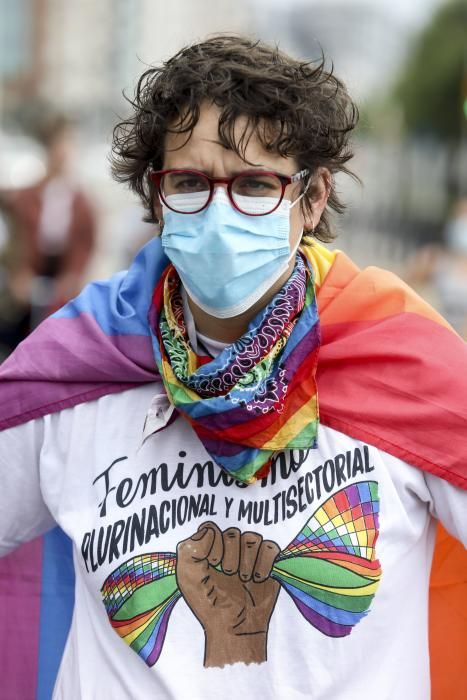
285	180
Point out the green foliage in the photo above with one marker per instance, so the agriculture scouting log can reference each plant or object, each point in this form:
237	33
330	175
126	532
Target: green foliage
433	87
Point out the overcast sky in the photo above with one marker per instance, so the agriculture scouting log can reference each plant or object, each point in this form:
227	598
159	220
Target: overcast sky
366	54
413	11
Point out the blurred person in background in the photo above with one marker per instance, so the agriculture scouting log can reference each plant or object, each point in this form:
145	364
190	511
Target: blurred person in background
450	272
52	228
440	271
246	439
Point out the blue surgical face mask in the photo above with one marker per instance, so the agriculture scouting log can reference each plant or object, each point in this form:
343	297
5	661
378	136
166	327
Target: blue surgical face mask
227	260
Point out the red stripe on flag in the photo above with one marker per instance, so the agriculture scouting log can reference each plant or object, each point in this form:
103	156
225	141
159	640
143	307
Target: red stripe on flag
400	385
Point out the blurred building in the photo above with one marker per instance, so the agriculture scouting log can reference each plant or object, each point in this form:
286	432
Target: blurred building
82	54
79	56
20	47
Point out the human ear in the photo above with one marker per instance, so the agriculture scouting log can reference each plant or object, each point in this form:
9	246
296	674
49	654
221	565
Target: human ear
155	201
320	187
158	211
157	208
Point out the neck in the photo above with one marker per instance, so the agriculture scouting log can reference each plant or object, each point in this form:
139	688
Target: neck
227	330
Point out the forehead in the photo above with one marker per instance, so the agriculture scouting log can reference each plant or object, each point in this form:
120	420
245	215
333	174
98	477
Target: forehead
204	151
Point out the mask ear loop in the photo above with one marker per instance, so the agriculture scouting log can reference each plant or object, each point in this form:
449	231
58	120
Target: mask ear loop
302	195
306	233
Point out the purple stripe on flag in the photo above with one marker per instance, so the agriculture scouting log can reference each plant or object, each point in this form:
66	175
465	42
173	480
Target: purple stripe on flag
93	363
20	590
72	395
76	348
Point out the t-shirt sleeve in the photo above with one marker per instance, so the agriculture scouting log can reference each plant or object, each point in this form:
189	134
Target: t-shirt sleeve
449	506
23	512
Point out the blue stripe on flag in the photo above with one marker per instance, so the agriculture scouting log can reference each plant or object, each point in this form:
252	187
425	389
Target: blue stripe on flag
57	601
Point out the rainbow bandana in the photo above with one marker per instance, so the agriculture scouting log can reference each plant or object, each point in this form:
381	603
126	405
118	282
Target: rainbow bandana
259	395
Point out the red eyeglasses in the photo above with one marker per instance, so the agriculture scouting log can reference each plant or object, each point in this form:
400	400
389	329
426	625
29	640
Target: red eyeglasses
253	192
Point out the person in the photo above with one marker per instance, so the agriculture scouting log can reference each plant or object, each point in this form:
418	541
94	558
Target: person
53	226
443	269
246	439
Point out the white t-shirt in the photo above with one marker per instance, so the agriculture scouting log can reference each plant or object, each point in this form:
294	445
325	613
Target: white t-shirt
121	491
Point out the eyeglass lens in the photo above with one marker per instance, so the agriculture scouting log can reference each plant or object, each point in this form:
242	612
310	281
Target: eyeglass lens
188	192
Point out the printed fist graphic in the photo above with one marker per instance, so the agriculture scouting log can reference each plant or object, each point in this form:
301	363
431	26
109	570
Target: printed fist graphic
225	579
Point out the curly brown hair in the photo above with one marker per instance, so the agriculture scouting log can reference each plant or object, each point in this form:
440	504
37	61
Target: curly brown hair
296	108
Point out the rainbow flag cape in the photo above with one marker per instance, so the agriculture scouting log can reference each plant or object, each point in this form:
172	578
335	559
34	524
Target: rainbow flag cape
390	368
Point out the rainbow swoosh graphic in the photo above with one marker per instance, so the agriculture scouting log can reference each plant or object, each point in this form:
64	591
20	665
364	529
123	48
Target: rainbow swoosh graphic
330	571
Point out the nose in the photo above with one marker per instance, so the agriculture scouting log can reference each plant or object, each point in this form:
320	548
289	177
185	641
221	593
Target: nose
219	189
220	186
